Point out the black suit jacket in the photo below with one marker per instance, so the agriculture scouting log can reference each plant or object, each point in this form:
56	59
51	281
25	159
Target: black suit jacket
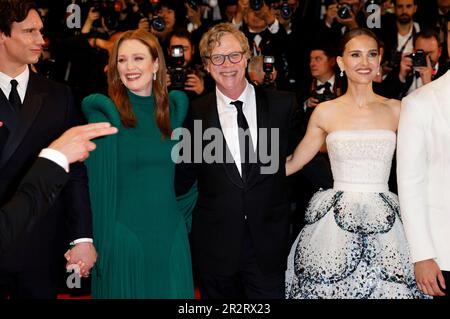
47	112
34	196
224	199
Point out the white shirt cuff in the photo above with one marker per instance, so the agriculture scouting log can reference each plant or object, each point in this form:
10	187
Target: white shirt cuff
55	156
81	240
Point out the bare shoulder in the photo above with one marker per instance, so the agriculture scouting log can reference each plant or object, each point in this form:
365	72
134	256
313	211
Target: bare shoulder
394	105
324	113
391	104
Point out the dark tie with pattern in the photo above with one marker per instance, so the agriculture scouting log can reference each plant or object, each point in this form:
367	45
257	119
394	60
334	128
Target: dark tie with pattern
14	97
327	88
245	147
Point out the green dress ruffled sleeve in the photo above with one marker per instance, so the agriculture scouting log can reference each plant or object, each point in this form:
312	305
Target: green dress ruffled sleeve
179	106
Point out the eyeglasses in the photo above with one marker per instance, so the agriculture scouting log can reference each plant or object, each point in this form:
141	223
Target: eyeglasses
219	59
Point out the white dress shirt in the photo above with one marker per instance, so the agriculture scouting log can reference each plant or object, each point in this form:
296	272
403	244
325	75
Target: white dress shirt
22	80
228	120
402	39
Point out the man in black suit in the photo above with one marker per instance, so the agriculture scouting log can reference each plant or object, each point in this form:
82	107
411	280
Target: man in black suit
240	227
411	75
45	180
35	111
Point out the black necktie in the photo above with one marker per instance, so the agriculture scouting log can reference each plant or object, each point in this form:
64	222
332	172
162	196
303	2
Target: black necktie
245	147
14	97
327	88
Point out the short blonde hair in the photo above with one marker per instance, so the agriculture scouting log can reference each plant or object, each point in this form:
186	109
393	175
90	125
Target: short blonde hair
211	39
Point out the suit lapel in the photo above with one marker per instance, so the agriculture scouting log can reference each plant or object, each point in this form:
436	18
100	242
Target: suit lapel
30	108
214	121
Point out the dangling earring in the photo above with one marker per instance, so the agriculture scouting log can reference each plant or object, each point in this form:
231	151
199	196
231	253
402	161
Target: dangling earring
342	73
378	72
154	76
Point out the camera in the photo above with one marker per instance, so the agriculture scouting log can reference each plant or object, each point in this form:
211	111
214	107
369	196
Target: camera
108	12
419	58
256	5
285	10
178	73
149	10
268	63
344	11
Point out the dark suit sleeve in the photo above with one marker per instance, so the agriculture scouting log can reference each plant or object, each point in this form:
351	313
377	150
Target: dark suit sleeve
33	198
76	192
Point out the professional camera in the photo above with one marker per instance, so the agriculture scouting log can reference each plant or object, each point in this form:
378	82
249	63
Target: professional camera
344	11
268	63
419	58
108	11
149	10
177	72
285	10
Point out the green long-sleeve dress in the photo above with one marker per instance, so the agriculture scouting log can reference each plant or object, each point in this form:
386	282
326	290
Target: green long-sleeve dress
140	229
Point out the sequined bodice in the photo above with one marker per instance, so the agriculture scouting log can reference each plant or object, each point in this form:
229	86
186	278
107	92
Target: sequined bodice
361	159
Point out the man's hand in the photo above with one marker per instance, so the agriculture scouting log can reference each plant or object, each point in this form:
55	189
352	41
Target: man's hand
194	83
75	143
428	274
144	24
406	66
312	102
84	255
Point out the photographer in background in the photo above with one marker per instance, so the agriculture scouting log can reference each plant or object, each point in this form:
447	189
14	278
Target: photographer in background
400	42
325	85
265	35
183	73
417	69
340	17
161	17
261	71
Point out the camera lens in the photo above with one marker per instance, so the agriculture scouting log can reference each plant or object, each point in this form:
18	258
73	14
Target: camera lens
344	11
158	24
256	5
285	11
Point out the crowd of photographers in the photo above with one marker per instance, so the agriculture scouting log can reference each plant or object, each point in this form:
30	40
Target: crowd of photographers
294	42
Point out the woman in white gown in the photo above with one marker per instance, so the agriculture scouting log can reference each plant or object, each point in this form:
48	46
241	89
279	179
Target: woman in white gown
353	244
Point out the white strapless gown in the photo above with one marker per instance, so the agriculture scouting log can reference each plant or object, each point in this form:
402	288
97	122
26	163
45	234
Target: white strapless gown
353	244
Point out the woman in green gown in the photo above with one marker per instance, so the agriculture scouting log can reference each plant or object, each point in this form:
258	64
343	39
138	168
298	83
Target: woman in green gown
140	227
